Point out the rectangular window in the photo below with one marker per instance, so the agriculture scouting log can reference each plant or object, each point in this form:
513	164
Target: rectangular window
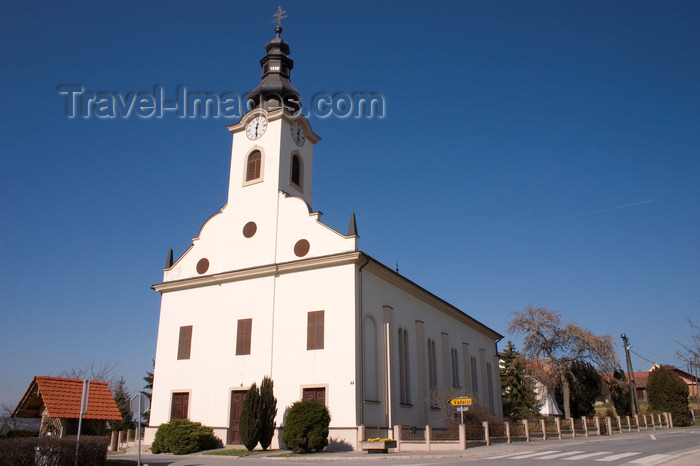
243	336
180	405
489	379
185	342
404	375
318	394
455	368
314	330
432	365
475	372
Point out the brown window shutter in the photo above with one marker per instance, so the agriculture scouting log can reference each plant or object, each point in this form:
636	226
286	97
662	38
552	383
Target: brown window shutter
185	343
314	330
179	406
243	336
254	162
318	394
296	170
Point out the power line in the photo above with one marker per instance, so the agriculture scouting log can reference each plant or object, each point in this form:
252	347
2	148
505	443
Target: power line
637	354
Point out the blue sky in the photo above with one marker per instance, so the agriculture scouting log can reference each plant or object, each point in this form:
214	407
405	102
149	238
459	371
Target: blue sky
542	152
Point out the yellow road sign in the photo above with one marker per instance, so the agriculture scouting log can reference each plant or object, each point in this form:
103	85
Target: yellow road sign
461	401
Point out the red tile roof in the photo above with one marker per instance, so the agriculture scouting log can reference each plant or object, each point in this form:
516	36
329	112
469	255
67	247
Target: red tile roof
61	397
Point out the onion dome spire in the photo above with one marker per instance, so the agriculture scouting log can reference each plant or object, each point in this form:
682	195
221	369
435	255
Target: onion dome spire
274	89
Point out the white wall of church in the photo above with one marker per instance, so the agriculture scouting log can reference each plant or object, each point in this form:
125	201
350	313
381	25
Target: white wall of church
386	303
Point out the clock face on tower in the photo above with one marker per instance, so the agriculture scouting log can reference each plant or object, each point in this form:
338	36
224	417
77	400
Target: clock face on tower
298	135
256	128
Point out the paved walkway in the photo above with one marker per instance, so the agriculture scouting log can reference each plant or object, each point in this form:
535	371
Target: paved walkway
691	459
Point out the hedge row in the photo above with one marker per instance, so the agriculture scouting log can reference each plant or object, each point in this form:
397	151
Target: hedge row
51	451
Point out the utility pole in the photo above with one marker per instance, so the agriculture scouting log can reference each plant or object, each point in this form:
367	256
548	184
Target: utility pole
697	393
630	372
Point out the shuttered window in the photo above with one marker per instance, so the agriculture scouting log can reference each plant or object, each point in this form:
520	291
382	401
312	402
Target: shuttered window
185	342
254	164
296	170
318	394
180	405
314	330
243	336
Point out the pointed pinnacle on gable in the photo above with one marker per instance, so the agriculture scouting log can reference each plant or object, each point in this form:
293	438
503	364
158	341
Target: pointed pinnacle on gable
169	260
352	228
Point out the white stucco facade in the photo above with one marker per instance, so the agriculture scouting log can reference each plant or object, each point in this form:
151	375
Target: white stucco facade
260	277
243	302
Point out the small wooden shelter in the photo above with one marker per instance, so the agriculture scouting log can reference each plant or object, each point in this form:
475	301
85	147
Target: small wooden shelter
56	400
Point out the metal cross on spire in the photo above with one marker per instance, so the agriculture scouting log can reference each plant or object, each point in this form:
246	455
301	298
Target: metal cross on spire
279	16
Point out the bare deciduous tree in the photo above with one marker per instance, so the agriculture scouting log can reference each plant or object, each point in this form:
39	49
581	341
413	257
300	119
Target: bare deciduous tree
691	354
547	339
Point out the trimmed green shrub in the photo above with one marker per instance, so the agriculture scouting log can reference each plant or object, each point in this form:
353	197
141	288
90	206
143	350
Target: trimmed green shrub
51	451
250	415
182	436
268	411
306	426
669	393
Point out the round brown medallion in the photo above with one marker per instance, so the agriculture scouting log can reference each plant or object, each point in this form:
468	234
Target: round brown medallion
301	248
202	265
249	229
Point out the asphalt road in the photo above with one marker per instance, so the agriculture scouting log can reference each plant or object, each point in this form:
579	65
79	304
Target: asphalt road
677	447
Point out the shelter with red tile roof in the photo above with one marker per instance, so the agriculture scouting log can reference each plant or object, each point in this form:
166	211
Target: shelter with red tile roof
56	400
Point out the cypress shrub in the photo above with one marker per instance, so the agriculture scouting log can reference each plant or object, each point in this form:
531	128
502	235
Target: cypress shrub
250	416
669	393
268	411
306	426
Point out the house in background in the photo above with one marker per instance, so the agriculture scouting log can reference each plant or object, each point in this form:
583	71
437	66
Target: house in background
267	289
641	379
56	401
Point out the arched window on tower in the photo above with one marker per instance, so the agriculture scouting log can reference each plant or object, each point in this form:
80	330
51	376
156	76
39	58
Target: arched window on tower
296	170
254	166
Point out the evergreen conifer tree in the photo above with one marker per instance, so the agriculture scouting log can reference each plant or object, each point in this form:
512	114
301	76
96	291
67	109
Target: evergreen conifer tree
268	411
250	414
669	393
620	393
586	385
519	400
123	400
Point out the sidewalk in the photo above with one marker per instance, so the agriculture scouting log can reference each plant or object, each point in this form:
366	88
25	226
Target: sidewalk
690	458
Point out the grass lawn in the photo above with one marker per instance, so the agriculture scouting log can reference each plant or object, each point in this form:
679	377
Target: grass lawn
232	452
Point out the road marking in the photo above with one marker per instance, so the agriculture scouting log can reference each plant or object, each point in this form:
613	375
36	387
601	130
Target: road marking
586	455
653	437
619	456
649	459
559	455
503	456
520	455
532	455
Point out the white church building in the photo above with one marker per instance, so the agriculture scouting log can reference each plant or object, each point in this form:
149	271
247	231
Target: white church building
266	289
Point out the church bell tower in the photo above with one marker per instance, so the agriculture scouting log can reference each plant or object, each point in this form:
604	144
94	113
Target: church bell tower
272	143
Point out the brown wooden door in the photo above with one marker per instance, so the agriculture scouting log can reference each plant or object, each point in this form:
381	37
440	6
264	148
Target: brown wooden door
234	433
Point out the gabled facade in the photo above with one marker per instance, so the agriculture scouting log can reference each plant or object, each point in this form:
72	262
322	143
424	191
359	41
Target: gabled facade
267	289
